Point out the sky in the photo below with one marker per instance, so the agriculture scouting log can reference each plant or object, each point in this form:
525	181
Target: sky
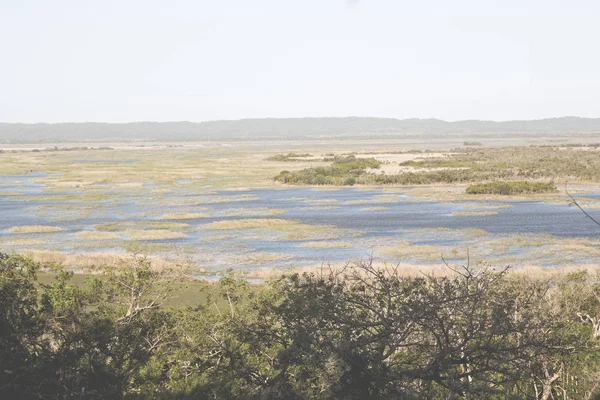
198	60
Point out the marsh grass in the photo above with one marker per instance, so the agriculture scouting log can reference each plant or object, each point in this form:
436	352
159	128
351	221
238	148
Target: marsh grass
376	200
470	165
224	199
292	157
321	201
22	241
127	225
321	208
97	262
254	212
511	188
149	248
458	232
154	234
326	245
292	230
474	213
486	206
374	209
35	229
421	252
215	238
178	216
96	235
522	240
261	257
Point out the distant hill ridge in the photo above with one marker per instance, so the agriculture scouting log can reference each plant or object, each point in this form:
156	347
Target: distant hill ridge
283	128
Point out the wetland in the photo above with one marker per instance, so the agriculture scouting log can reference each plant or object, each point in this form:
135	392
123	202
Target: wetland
223	207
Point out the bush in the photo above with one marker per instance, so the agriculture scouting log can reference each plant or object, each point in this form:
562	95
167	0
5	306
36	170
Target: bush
511	188
359	332
342	171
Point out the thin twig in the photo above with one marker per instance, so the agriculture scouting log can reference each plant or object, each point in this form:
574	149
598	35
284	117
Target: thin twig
575	203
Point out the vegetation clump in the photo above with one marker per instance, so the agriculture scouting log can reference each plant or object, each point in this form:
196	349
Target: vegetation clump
465	165
291	157
35	229
344	170
475	213
356	332
511	188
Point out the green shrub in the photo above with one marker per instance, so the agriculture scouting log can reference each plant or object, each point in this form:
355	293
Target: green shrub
511	188
290	157
343	171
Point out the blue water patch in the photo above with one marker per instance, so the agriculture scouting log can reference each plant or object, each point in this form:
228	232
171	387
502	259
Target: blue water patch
372	216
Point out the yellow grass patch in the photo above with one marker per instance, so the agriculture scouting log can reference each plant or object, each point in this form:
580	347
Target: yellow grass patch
99	261
95	235
293	230
374	209
422	252
22	242
321	201
262	257
245	212
466	231
475	213
326	245
35	229
184	216
127	225
153	234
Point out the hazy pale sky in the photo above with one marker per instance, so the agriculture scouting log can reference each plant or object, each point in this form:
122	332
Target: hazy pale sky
170	60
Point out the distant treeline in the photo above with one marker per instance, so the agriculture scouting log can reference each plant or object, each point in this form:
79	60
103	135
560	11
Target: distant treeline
358	332
290	128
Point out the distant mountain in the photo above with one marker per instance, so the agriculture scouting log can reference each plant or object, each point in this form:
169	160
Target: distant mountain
284	128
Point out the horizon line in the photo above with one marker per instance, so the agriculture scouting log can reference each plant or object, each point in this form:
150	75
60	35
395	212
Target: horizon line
297	118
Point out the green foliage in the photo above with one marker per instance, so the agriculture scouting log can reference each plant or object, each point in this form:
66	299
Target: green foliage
511	188
344	170
354	333
464	166
291	157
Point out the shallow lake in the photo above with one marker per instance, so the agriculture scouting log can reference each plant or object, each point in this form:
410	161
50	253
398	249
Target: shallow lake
360	221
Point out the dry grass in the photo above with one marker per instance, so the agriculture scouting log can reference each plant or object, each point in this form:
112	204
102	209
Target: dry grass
326	245
99	261
374	209
35	229
486	206
419	252
321	208
403	269
386	198
20	242
292	230
475	213
95	235
525	240
154	234
262	257
321	201
255	212
178	216
128	225
449	231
